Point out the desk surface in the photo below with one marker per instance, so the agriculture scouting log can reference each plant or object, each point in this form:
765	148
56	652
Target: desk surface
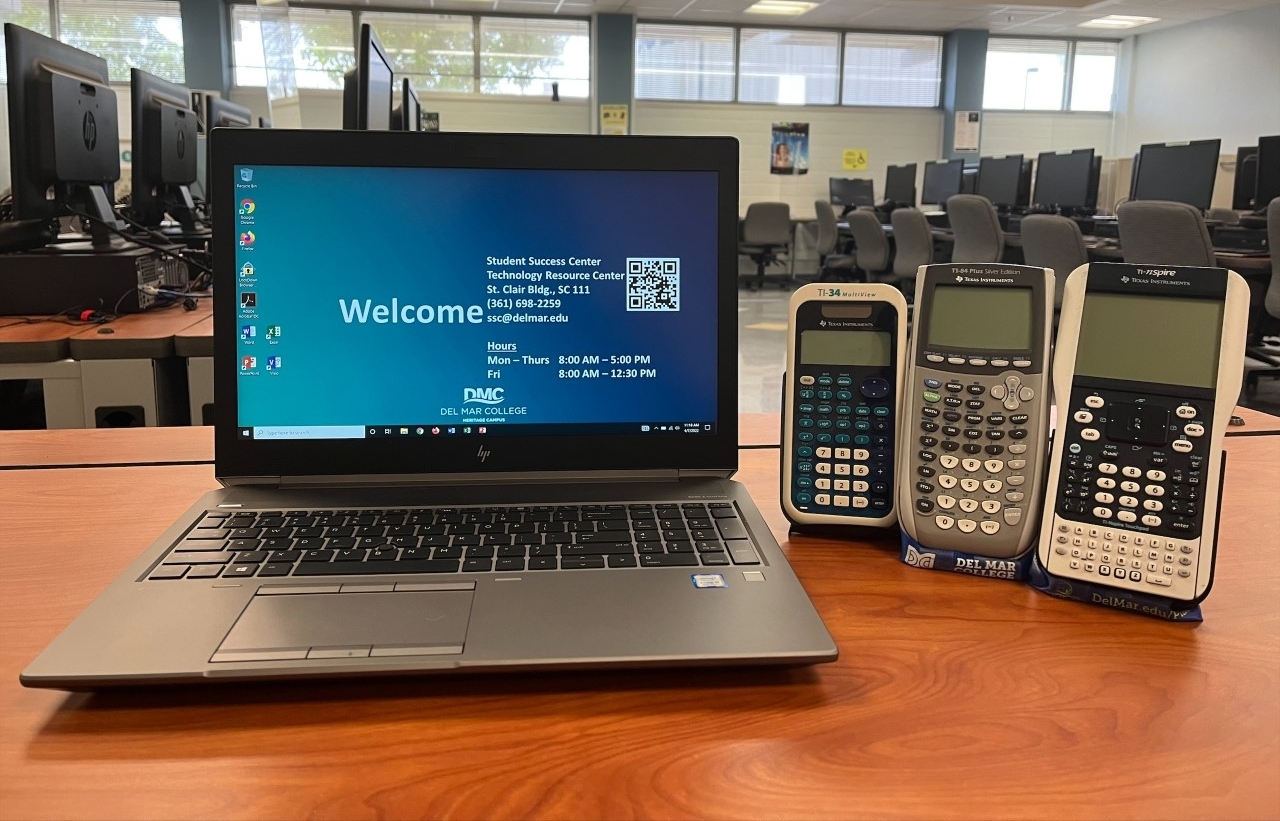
953	697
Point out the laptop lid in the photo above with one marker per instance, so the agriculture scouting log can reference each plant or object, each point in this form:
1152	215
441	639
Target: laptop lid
403	306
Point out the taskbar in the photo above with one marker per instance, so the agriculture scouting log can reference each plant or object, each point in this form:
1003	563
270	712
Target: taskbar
437	431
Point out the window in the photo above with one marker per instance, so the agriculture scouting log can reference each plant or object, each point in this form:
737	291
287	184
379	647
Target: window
145	34
525	56
1093	76
684	63
892	70
788	67
30	14
1031	75
323	47
435	51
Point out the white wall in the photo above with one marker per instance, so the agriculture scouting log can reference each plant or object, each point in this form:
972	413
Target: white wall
891	136
1216	78
1031	133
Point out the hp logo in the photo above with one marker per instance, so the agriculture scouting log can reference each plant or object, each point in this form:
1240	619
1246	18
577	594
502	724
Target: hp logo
90	131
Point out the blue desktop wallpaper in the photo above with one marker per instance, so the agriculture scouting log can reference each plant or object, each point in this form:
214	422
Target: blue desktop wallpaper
319	249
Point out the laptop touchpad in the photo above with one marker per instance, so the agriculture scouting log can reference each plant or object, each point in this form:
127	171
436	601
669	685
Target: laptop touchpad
349	625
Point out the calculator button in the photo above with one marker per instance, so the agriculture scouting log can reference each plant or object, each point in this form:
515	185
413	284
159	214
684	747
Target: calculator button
1156	476
841	501
1151	520
1104	498
1153	505
968	505
1018	449
991	506
1016	481
992	485
971	465
1017	464
1094	401
1106	483
969	485
933	383
977	361
947	481
967	525
1129	487
806	380
1108	468
1014	496
1026	393
822	484
860	454
842	453
944	522
1022	363
933	357
861	470
955	360
949	462
946	502
1090	434
990	527
1127	516
1083	417
842	470
858	486
1102	513
1194	429
1012	515
1181	446
1186	412
993	465
822	467
840	484
822	499
860	501
1131	472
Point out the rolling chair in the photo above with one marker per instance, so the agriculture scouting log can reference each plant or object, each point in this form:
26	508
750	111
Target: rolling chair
1156	232
1263	359
766	233
831	266
870	245
1053	242
913	238
976	227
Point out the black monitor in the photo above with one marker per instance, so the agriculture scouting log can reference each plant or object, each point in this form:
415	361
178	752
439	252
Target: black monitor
263	122
222	113
1268	185
1245	182
969	180
1000	180
366	89
941	181
1178	172
900	185
164	151
1065	180
851	193
64	138
408	115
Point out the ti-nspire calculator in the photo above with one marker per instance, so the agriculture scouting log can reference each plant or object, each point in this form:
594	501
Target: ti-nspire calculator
975	418
1149	364
846	347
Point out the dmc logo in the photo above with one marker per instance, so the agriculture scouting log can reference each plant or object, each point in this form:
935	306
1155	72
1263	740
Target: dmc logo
182	144
483	454
90	131
246	175
1157	272
916	558
485	396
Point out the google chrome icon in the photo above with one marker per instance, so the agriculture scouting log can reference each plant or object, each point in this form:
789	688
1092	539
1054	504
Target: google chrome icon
247	207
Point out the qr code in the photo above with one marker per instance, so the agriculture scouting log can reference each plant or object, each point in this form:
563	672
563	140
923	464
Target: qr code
653	284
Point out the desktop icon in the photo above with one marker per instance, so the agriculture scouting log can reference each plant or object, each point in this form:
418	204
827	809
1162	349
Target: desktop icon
247	239
421	431
246	175
483	430
273	332
466	430
248	363
247	270
273	363
247	207
404	431
644	428
435	431
248	332
453	430
249	299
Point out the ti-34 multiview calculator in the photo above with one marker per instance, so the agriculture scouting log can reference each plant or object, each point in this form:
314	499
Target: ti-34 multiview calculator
845	353
976	408
1148	368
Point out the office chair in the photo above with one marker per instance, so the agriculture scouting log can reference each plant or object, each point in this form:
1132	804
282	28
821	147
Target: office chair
1263	358
1053	242
766	233
913	238
1156	232
831	266
870	246
976	228
1223	215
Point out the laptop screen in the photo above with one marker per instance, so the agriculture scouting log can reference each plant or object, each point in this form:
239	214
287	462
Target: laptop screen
473	303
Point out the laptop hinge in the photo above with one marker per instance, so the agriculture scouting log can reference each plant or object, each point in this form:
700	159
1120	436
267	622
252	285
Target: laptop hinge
454	479
706	474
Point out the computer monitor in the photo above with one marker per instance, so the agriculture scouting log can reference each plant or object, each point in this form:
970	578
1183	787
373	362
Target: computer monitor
366	89
851	193
900	185
164	151
222	113
408	115
263	122
941	181
1178	172
1244	184
1064	180
1268	185
1000	180
64	138
969	180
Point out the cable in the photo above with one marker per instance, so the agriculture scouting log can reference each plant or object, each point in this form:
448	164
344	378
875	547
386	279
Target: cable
158	248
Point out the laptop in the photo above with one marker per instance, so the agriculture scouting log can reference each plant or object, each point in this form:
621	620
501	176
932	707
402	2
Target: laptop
476	411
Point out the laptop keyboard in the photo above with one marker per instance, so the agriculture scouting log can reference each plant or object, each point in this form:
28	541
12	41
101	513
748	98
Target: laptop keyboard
275	543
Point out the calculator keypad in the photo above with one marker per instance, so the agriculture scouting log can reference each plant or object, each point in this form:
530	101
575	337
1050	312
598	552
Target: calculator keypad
1129	509
843	444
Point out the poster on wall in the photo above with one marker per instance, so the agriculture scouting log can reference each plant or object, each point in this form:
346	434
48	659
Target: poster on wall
431	121
854	159
789	152
968	130
613	119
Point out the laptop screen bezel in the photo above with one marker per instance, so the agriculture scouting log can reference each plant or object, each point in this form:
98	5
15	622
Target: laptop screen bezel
239	458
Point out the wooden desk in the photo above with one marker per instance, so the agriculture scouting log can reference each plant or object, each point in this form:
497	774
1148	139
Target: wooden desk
953	697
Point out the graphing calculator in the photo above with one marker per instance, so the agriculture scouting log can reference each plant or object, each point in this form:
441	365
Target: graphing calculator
975	412
1148	370
845	352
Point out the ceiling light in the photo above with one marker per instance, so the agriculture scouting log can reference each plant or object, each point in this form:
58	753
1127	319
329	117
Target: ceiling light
1118	21
782	7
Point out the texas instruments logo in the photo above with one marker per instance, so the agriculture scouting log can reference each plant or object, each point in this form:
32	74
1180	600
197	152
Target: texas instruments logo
483	453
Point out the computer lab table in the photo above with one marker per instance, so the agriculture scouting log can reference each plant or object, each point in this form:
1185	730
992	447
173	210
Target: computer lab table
954	696
36	347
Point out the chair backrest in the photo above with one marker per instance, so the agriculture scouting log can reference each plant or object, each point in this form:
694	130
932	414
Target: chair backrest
976	228
767	223
1053	242
827	228
913	237
1157	232
1272	300
1224	215
870	244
